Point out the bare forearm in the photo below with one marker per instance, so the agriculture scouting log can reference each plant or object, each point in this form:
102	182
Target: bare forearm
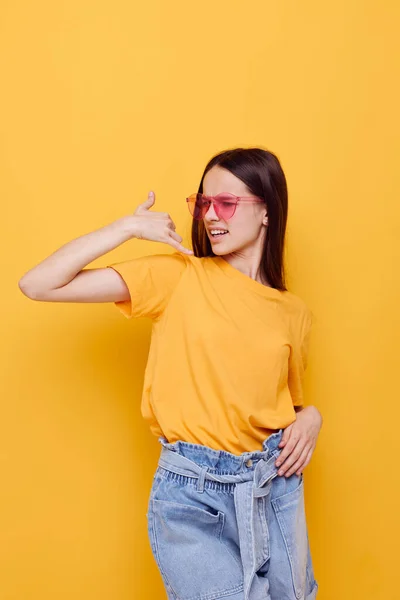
64	264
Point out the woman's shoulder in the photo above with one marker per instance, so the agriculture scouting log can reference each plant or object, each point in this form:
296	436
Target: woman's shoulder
295	306
191	259
295	300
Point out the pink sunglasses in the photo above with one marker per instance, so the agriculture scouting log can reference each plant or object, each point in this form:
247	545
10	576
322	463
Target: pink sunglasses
224	204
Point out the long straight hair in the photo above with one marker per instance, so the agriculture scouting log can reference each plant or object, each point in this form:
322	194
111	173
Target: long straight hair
261	171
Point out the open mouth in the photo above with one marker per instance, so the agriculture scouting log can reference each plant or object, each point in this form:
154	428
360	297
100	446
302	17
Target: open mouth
218	233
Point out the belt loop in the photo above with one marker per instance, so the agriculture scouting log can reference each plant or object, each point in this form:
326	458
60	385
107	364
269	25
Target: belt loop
200	482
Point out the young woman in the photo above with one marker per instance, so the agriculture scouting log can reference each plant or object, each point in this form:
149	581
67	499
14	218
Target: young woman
223	382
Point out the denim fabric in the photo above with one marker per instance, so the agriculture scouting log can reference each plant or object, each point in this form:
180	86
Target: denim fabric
228	526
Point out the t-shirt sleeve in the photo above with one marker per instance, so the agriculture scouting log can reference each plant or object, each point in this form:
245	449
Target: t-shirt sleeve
151	281
298	358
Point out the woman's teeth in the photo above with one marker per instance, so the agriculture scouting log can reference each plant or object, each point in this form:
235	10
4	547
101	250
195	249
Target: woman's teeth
218	232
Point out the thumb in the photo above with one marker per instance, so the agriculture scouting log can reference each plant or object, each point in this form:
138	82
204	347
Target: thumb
149	202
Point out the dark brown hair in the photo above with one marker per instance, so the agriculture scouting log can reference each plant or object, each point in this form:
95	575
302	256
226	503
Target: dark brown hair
261	171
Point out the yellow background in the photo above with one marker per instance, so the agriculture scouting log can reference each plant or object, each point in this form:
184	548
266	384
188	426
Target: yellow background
102	102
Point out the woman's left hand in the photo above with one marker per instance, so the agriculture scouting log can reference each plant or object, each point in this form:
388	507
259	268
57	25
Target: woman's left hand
298	441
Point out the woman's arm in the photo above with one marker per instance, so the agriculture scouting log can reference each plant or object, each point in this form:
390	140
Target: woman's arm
50	278
62	277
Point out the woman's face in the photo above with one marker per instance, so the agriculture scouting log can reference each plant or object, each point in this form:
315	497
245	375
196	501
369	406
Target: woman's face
246	229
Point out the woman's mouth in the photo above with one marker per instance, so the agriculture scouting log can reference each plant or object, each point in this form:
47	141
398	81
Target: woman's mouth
217	234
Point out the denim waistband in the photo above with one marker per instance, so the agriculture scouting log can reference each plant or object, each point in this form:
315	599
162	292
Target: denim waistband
222	461
253	473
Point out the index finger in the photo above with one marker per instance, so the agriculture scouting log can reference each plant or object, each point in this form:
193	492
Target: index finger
287	450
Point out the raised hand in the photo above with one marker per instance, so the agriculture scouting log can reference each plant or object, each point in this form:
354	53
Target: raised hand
156	226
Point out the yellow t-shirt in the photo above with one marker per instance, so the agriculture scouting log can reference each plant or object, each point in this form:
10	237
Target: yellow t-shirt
227	354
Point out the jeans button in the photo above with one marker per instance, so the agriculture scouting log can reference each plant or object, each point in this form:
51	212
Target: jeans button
249	463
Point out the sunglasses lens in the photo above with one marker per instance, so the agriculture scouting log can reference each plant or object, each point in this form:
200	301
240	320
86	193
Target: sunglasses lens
225	205
197	206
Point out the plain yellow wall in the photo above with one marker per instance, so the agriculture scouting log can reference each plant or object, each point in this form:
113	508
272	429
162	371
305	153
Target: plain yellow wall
102	102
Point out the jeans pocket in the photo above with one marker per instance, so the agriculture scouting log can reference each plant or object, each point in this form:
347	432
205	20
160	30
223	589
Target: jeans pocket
290	513
157	480
187	546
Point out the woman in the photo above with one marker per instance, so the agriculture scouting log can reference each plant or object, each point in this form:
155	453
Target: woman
223	382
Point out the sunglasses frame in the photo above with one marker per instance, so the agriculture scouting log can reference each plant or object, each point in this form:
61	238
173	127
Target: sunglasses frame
215	201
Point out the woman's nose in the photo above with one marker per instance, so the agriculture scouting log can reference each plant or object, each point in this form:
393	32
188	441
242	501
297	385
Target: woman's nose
211	214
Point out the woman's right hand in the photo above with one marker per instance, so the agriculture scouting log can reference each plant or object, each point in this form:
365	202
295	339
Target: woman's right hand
156	226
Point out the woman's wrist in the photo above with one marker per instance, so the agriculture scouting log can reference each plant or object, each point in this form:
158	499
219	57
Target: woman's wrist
129	224
314	410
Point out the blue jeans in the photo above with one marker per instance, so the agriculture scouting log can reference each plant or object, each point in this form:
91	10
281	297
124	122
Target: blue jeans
228	526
